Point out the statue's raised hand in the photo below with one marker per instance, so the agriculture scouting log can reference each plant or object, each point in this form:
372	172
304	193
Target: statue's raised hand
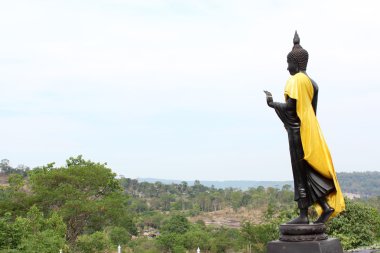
269	98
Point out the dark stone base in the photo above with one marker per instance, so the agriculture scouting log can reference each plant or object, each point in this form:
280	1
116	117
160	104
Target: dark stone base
331	245
302	232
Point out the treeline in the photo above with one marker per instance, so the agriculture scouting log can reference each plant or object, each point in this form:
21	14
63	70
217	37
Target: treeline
199	198
82	207
7	169
366	184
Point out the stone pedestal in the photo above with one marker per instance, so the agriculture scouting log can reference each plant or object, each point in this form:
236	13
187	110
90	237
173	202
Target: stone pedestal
304	238
330	245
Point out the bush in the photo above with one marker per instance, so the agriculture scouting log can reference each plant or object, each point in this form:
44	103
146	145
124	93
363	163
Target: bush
144	245
196	237
257	236
96	242
118	235
358	226
176	224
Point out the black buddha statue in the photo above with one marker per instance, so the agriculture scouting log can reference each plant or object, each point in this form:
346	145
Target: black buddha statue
314	176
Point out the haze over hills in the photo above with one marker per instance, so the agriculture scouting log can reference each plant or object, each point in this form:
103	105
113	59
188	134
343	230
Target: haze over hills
365	184
239	184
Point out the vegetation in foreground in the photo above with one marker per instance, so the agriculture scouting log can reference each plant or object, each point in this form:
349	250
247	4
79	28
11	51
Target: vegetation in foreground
83	207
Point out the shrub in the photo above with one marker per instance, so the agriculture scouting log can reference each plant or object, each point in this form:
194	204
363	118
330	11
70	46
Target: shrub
358	226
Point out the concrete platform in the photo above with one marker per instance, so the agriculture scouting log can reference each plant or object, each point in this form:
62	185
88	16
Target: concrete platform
331	245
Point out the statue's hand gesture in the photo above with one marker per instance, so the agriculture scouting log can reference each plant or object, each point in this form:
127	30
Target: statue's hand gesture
269	98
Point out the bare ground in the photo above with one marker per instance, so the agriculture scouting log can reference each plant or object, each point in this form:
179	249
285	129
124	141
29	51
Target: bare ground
230	218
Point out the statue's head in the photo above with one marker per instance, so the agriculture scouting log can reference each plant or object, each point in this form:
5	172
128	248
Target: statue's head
298	57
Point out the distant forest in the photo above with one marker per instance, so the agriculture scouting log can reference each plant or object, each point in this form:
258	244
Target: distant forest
366	184
83	207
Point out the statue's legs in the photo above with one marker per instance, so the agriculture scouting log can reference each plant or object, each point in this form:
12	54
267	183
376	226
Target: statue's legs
309	186
302	219
327	211
299	176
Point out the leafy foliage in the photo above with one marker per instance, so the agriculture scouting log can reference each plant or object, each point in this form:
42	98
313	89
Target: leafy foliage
82	207
367	184
94	243
85	193
7	169
118	235
33	233
358	226
257	236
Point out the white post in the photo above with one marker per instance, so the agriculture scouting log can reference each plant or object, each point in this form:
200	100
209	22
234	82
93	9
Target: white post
198	250
119	249
60	251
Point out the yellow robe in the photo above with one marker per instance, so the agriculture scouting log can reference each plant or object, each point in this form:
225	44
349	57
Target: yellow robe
316	152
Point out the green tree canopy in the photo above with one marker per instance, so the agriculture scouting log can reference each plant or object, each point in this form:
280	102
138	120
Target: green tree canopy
358	226
81	191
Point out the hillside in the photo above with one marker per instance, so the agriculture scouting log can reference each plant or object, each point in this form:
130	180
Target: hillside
239	184
365	184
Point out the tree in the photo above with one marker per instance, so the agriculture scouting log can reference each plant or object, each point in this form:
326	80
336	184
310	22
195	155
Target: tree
225	240
15	198
171	241
172	231
144	245
7	169
257	236
358	226
4	166
79	191
10	236
33	233
196	237
118	235
94	243
176	224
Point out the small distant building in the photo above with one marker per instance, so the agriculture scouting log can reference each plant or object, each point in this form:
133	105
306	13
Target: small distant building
351	195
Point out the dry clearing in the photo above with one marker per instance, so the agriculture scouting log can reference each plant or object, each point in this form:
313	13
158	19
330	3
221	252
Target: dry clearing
230	218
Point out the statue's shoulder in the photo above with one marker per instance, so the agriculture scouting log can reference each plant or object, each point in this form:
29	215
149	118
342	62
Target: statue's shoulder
295	80
291	87
301	76
305	80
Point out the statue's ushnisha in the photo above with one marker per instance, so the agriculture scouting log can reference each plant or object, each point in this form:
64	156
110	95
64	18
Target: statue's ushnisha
315	180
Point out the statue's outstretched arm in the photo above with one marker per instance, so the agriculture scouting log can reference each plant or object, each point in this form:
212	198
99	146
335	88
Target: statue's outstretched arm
290	103
283	110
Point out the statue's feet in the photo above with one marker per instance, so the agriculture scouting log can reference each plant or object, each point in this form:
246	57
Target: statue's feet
325	215
299	220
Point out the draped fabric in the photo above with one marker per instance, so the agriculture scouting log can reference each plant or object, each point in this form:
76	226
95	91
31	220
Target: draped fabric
316	152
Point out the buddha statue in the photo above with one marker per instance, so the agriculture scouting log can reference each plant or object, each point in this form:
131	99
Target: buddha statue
315	181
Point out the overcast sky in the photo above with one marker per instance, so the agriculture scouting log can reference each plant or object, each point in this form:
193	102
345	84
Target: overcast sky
174	89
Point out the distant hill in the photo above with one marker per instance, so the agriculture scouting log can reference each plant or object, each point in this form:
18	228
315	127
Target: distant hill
365	184
243	185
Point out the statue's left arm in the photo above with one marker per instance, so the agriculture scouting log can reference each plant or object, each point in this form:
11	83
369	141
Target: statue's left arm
285	111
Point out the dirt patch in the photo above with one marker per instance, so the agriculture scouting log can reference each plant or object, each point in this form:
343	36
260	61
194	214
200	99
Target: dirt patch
3	179
230	218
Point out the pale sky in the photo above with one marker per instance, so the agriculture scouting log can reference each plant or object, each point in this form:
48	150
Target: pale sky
174	89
